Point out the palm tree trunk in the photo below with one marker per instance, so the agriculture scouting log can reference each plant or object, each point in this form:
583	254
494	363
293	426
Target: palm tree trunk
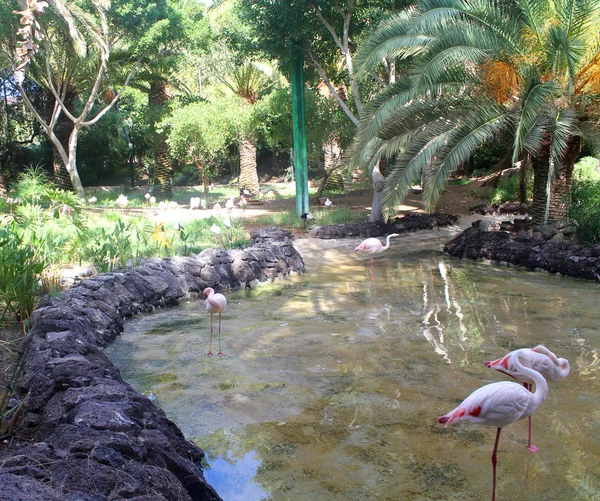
560	191
158	98
248	170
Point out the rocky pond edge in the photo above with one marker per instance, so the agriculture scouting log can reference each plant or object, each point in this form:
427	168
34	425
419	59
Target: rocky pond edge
84	433
87	435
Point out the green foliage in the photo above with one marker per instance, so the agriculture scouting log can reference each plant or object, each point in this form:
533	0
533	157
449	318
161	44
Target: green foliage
478	71
20	273
584	209
587	169
201	132
320	217
507	189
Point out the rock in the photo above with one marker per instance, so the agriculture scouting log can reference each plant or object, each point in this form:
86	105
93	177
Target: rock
528	250
95	436
408	223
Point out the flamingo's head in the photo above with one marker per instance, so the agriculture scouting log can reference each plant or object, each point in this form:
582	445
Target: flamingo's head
208	291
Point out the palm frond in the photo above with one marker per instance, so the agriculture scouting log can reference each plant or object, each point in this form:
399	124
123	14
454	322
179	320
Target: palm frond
391	39
477	128
535	96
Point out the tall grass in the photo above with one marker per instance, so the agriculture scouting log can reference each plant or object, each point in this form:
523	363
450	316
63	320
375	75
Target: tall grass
322	217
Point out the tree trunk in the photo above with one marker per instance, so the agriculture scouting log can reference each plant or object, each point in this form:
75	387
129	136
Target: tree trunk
376	205
332	154
560	191
62	131
523	180
248	171
158	99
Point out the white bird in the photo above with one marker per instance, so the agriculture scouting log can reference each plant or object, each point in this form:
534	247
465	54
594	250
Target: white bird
194	202
122	201
214	303
147	197
540	359
229	204
500	404
152	200
328	203
92	200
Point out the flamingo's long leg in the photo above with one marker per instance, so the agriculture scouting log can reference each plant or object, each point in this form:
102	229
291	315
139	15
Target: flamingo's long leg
220	352
530	446
211	332
494	462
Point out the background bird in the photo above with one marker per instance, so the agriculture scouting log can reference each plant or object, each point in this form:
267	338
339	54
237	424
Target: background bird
328	203
540	359
372	245
215	302
500	404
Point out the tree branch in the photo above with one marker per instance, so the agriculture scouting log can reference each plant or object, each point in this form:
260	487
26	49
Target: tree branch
330	86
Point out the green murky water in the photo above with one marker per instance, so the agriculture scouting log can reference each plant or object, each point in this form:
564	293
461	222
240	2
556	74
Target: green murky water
332	383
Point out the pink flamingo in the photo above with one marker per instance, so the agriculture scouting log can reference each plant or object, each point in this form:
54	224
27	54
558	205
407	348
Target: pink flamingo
500	404
214	303
373	245
540	359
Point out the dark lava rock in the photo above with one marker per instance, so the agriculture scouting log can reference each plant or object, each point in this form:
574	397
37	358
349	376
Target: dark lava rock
90	435
408	223
531	248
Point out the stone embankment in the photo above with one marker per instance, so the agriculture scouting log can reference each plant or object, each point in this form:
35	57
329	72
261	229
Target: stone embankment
408	223
87	435
520	243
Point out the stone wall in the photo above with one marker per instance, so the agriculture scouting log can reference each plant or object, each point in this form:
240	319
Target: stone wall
87	435
534	247
408	223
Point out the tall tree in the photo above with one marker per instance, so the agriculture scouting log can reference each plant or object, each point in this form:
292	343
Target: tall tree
329	31
478	70
74	39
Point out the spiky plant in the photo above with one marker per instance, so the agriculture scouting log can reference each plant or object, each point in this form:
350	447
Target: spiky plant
479	70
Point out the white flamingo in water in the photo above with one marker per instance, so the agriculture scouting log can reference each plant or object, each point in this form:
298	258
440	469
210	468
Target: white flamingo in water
373	245
500	404
214	303
540	359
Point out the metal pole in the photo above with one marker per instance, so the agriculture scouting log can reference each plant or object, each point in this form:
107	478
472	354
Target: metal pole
299	125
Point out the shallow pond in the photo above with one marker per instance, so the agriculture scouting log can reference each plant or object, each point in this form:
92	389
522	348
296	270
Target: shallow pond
332	382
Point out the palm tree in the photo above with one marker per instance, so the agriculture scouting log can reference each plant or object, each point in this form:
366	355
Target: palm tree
250	81
527	70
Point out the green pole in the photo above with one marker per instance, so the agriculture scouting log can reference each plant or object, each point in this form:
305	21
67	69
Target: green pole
299	122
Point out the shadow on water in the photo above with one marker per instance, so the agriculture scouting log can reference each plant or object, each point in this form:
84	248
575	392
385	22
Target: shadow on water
331	382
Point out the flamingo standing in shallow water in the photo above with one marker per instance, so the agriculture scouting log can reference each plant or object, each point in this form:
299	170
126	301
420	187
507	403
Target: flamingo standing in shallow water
500	404
540	359
373	245
214	303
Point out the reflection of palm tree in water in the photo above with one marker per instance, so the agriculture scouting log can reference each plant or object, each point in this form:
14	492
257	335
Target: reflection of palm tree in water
436	307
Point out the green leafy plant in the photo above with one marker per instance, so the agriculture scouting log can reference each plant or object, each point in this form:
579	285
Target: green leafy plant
584	209
20	271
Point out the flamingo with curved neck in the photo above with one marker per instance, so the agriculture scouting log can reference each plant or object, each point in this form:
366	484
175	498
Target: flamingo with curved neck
540	359
500	404
373	245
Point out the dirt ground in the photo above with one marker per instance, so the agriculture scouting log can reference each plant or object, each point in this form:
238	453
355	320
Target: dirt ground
456	199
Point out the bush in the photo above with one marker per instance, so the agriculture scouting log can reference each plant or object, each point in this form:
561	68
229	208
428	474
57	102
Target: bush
588	168
584	209
507	189
20	272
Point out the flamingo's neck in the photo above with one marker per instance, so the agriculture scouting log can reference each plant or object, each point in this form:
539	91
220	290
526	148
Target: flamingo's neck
541	387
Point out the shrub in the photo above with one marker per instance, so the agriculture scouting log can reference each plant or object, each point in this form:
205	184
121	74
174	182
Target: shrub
20	271
584	209
507	189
